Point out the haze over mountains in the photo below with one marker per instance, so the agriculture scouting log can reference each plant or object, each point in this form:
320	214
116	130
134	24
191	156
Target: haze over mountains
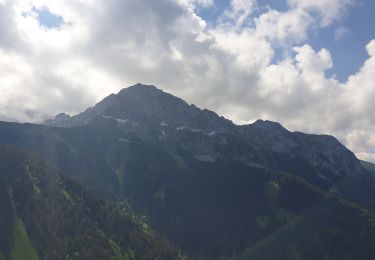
147	176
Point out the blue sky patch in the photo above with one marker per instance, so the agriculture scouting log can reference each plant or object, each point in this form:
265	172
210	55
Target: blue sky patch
48	19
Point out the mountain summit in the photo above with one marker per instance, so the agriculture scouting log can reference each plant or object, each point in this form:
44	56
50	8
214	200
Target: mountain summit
146	105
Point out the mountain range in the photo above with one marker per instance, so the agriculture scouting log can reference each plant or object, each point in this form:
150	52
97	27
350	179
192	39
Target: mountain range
144	175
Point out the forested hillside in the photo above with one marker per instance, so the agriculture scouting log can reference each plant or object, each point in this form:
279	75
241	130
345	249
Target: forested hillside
46	215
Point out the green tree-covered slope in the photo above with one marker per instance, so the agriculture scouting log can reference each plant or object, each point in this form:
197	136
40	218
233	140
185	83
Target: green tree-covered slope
47	215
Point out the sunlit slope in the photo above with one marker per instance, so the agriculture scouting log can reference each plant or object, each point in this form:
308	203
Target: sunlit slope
53	217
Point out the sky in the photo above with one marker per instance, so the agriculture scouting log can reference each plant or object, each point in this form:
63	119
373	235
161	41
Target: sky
309	65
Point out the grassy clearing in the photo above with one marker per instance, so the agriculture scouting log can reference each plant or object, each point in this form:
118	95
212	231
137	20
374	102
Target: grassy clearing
22	246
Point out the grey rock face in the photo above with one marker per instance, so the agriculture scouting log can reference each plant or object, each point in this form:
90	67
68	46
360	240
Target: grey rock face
148	106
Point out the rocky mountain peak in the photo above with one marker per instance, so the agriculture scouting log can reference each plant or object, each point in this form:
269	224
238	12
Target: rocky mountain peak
140	87
268	125
149	106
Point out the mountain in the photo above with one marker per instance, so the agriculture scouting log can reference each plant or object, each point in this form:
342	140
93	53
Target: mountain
319	159
211	211
46	215
204	185
149	107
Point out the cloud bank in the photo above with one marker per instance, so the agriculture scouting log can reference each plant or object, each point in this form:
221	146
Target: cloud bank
232	65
